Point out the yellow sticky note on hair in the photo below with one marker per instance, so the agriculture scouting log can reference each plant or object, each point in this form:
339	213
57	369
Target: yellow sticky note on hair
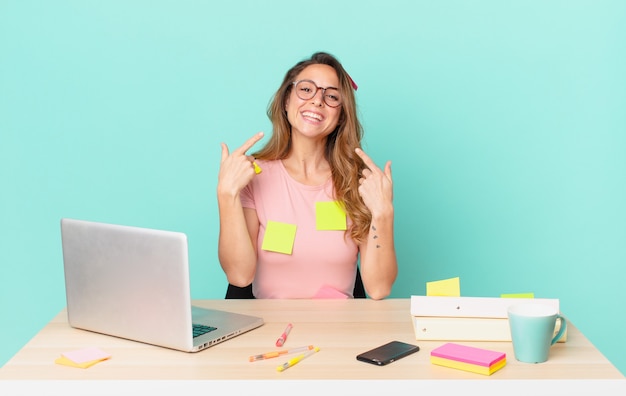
330	216
279	237
446	287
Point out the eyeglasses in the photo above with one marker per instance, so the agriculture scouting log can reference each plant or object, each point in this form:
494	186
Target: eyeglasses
306	89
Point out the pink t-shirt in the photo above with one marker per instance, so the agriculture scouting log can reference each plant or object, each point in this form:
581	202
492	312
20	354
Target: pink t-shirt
322	263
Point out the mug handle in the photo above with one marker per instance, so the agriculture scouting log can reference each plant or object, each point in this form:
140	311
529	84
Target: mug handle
561	330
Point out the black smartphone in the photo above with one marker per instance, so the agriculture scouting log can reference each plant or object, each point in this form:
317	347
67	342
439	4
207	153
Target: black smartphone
387	353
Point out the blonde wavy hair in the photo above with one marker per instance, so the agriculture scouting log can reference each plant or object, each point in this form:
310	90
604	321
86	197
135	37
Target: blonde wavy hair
346	166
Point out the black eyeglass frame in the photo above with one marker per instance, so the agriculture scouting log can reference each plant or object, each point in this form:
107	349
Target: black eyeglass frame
295	83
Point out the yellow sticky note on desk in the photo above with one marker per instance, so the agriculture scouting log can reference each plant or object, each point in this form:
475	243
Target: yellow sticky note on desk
446	287
82	358
279	237
330	216
67	362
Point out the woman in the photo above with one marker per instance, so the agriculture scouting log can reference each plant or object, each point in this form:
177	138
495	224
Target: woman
296	215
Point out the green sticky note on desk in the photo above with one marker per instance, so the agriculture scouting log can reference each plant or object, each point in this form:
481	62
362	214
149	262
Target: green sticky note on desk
279	237
518	295
330	216
446	287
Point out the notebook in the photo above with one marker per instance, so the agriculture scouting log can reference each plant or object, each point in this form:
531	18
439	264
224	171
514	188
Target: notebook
133	283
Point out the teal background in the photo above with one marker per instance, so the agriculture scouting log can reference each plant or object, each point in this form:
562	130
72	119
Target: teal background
505	122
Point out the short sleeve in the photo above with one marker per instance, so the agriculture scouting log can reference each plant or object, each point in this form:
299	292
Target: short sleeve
246	196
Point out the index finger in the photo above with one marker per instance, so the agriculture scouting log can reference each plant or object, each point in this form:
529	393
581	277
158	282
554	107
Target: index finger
249	143
368	161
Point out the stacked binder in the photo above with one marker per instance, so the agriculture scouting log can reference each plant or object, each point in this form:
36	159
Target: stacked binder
448	318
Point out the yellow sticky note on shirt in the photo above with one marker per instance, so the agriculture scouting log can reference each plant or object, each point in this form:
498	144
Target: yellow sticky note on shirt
330	216
446	287
279	237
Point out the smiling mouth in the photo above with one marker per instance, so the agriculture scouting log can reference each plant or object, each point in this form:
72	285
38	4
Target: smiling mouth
313	116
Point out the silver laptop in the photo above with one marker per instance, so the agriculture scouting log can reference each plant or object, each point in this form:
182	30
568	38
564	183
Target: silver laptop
133	283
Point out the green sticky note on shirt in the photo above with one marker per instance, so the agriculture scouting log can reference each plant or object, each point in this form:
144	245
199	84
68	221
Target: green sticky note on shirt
330	216
279	237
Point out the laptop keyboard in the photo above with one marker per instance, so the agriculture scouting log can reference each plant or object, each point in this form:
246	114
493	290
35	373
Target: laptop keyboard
199	329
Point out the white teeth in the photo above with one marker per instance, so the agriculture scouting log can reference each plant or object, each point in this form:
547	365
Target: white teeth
312	115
